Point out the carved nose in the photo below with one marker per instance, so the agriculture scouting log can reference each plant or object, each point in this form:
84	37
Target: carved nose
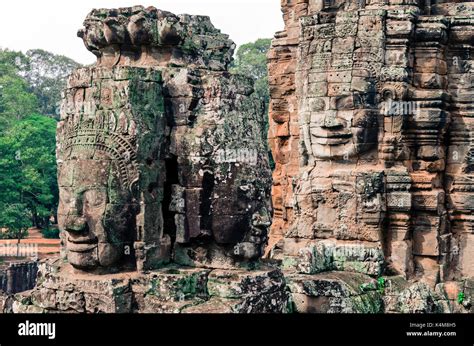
332	122
75	224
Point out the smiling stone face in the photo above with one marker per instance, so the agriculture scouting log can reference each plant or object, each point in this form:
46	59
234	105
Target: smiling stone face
96	213
111	171
338	86
341	126
339	188
340	133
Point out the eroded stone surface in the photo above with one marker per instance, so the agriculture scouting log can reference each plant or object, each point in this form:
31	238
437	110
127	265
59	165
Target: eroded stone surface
18	276
364	158
164	176
173	289
160	152
335	292
370	130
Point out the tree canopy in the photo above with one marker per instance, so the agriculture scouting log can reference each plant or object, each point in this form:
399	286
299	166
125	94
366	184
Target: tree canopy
251	61
30	91
32	82
16	97
47	74
28	168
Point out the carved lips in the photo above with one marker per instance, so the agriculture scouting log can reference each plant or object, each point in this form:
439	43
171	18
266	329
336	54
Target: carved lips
81	243
338	137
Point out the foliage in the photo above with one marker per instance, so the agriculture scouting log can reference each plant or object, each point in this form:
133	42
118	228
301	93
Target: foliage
16	98
50	233
28	171
30	84
12	62
251	61
13	218
47	75
381	285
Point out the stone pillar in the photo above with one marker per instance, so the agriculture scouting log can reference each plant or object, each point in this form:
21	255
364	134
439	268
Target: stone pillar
383	90
457	245
284	135
179	138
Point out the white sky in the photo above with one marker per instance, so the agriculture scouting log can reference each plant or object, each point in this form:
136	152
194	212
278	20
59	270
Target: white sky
52	24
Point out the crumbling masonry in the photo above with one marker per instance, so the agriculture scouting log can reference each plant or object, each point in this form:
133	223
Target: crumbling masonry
372	134
165	186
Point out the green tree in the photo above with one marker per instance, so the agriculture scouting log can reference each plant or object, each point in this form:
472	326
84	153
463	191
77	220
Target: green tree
47	74
251	61
14	218
16	97
28	169
16	100
12	62
32	82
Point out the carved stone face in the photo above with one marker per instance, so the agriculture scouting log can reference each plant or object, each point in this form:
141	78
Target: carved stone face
95	212
343	133
337	81
338	112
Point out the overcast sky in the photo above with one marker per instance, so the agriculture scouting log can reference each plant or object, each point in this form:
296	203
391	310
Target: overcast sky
52	25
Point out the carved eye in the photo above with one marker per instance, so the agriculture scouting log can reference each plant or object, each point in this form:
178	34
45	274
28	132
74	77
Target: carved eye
345	103
65	196
95	198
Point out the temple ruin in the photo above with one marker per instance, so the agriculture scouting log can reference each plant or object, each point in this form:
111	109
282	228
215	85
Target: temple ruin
167	200
371	132
164	176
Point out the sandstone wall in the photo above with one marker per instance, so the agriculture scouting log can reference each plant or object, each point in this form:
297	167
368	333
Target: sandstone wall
175	289
18	277
397	75
159	148
284	130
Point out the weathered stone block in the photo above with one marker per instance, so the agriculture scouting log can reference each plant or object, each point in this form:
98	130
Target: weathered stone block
372	54
170	290
335	292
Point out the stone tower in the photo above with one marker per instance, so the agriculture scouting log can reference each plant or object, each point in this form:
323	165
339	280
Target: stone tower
371	107
164	176
164	145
